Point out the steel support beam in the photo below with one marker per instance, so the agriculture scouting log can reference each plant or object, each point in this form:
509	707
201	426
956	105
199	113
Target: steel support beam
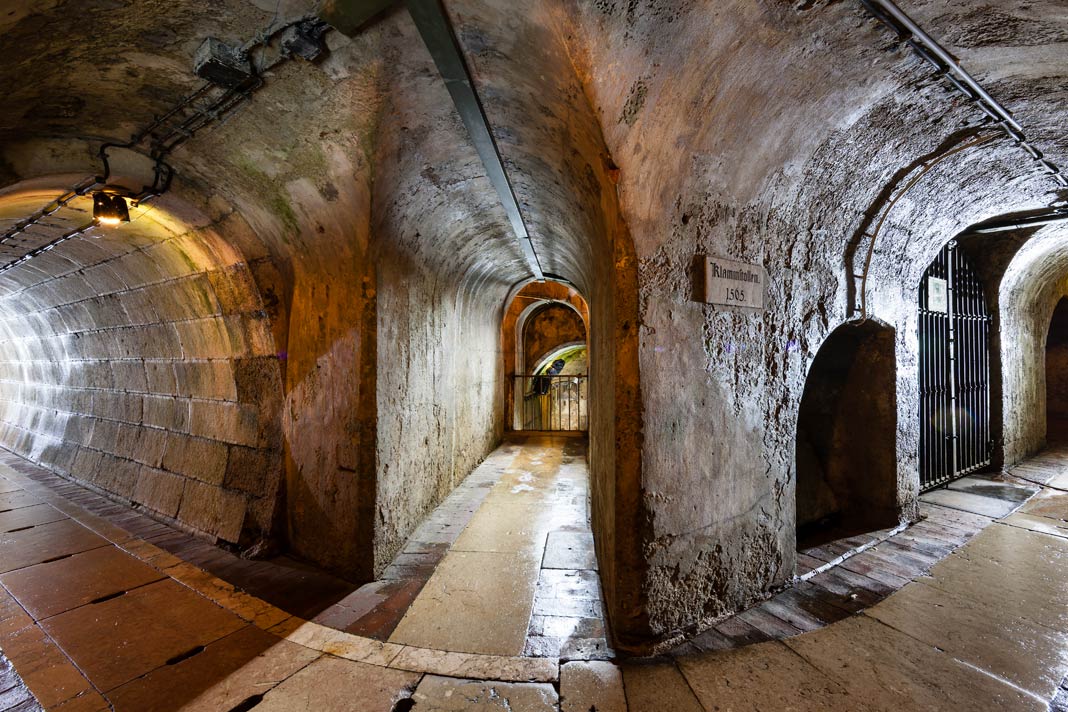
436	31
887	8
349	16
1020	222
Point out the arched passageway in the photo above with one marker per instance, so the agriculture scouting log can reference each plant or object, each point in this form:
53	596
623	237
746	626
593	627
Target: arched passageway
1031	315
1057	374
505	565
547	379
376	260
140	361
846	437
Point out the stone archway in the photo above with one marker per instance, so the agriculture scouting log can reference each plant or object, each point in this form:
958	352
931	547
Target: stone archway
846	460
1057	374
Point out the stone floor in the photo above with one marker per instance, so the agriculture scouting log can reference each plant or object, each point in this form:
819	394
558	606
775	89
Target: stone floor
845	576
93	617
297	587
505	566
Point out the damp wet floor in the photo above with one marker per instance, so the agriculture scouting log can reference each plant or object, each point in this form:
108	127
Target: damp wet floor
505	566
975	614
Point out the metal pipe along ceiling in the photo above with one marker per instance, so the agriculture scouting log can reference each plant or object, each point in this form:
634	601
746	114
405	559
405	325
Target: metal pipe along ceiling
888	8
433	25
947	66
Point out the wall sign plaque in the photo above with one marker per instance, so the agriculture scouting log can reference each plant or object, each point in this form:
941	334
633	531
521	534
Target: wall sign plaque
734	284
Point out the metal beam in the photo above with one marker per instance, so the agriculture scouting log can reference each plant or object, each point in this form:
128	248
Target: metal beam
349	16
1020	222
436	31
888	8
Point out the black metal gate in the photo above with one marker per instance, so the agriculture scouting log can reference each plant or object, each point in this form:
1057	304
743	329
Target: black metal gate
551	403
954	370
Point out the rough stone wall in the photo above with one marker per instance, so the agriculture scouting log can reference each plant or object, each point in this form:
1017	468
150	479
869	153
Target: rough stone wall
531	84
532	79
440	298
140	362
638	135
439	407
297	169
298	164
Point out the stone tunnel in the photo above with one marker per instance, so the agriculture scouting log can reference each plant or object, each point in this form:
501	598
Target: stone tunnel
560	356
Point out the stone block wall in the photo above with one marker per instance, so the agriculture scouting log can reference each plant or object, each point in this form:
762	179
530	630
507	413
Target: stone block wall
136	363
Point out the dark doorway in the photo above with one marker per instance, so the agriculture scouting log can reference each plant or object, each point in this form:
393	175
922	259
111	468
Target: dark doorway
1057	375
954	334
847	437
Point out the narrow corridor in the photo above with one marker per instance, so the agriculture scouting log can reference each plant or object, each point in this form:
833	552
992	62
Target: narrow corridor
505	566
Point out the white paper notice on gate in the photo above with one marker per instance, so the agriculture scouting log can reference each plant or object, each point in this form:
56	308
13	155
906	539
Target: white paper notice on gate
937	295
734	284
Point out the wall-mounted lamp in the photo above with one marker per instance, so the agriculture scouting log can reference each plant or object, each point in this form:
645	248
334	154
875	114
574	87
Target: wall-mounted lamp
109	209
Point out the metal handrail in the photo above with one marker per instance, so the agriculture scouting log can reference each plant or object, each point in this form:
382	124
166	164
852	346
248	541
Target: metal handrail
554	402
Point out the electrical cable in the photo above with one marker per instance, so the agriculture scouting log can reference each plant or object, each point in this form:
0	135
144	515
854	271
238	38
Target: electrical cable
160	137
46	247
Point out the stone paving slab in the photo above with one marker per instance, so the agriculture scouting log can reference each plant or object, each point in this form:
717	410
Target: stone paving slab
237	667
45	542
334	684
444	694
1045	525
48	589
995	638
879	668
586	685
43	666
14	695
570	550
122	638
658	685
969	502
272	658
29	516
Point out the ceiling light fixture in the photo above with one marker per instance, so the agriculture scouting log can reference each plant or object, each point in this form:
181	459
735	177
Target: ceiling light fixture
213	102
109	209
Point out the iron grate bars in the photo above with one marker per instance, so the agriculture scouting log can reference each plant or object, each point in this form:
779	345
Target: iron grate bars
557	403
954	331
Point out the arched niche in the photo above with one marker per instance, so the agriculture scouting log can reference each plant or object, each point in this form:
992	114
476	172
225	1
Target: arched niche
846	461
1057	374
